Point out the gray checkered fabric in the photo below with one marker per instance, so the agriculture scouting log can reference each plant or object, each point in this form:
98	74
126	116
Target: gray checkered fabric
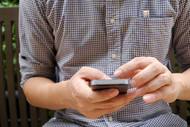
103	34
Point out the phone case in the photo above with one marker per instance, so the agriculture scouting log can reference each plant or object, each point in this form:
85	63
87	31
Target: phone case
120	84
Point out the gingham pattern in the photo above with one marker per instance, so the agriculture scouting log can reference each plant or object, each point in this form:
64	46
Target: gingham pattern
70	34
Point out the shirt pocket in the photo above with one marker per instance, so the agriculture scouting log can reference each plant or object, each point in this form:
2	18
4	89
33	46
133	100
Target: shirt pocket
149	36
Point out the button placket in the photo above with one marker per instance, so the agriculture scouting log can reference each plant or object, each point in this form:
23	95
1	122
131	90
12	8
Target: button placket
113	35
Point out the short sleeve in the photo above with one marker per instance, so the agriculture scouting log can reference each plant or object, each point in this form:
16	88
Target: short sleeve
37	52
181	35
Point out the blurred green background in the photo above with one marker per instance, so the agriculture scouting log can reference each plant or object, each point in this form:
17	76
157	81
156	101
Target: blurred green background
9	3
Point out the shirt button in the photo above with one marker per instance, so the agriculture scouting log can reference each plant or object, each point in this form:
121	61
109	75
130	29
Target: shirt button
110	119
112	21
114	56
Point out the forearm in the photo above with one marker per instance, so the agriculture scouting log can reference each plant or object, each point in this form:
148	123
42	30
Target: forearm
183	80
42	92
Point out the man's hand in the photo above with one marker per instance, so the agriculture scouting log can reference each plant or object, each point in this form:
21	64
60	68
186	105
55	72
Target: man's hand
94	104
151	78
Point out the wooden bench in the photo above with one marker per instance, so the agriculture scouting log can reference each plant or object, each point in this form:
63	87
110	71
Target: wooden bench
14	110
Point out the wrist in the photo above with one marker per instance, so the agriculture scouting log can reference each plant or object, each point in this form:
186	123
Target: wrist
62	95
179	83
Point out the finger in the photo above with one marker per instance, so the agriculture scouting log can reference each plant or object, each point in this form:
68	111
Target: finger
102	95
124	98
99	109
128	69
160	94
116	103
121	99
147	74
155	84
92	73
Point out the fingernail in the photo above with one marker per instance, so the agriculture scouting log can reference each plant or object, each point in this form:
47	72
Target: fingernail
147	99
107	77
113	92
133	83
118	73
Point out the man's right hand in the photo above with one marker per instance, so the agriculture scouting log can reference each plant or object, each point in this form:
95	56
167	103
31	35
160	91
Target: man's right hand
94	104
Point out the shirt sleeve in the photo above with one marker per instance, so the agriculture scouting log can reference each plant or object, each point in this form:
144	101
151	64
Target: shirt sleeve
37	52
181	35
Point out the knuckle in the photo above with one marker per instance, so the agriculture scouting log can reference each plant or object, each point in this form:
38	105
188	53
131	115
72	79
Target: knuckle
165	79
138	61
141	77
76	95
83	69
148	89
155	68
89	99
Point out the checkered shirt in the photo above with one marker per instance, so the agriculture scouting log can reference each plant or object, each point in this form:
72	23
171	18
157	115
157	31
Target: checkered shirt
103	34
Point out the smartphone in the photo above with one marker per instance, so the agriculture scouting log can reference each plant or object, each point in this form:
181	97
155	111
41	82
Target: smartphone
120	84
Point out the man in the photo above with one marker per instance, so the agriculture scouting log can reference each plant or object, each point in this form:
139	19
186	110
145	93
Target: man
66	44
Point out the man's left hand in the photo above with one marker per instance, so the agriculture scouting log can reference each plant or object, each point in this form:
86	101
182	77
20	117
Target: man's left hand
152	79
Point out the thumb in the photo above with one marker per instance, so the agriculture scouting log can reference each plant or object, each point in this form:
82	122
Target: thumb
92	74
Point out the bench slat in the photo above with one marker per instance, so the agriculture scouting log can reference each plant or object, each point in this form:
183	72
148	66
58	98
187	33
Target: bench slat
183	108
43	116
33	116
10	75
3	109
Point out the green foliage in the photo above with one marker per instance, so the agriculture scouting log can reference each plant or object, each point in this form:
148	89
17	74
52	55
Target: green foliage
9	3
